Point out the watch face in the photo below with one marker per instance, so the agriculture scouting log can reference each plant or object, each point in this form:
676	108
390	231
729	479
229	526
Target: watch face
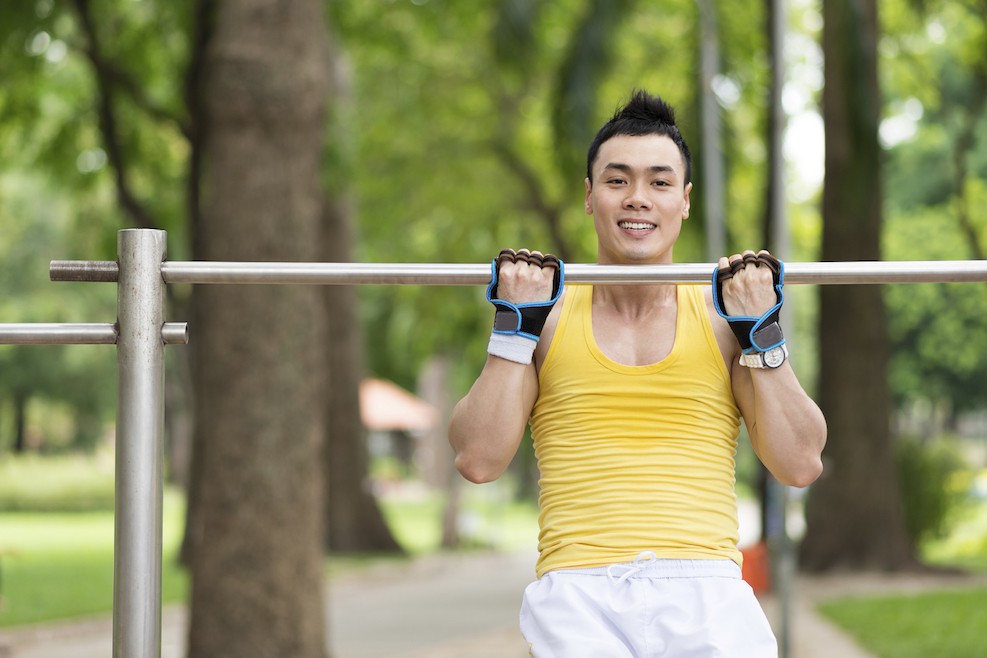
774	358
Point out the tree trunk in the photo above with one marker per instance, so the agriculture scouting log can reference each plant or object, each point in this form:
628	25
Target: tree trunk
854	513
20	423
354	520
258	369
435	389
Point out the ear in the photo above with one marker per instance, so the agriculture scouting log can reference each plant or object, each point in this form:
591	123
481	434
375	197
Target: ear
588	202
688	203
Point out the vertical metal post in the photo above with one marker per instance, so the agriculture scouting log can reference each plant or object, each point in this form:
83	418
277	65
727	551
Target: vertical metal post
139	445
782	549
714	185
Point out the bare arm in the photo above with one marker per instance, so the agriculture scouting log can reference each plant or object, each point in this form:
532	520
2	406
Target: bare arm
488	424
786	428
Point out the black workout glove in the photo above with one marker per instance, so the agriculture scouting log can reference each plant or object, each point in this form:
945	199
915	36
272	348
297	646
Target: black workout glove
754	334
517	327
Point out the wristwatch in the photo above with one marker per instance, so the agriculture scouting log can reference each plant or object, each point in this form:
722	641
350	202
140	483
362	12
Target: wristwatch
773	358
768	348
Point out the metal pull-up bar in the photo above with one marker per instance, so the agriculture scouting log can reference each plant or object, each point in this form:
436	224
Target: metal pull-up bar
140	334
456	274
81	333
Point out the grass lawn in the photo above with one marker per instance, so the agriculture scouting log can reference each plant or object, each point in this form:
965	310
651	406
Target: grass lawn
59	565
947	624
487	519
951	624
63	483
966	545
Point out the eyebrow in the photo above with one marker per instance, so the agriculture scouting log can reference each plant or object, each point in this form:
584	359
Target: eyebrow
655	169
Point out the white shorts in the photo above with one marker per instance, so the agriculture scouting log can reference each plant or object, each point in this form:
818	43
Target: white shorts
645	609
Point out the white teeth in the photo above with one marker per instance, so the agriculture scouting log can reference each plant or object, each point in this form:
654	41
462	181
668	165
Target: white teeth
637	226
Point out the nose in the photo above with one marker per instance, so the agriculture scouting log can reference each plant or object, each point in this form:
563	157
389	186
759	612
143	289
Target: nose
637	197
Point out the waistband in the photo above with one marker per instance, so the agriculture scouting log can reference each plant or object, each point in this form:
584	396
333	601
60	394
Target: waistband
648	565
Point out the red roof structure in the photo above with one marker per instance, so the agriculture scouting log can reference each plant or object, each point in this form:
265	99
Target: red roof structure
385	406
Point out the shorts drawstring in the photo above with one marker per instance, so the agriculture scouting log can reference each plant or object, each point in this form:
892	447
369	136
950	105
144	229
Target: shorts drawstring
642	561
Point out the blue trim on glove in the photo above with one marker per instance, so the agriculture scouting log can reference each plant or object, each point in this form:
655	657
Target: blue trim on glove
529	317
745	326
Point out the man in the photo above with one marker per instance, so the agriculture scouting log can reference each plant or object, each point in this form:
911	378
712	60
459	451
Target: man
634	394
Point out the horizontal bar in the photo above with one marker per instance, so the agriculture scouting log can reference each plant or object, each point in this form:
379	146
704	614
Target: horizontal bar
473	274
103	271
172	333
58	334
449	274
175	333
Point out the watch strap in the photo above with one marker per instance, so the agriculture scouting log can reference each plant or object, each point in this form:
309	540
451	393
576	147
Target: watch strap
765	359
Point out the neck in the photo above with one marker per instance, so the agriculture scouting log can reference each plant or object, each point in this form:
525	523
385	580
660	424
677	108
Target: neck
635	300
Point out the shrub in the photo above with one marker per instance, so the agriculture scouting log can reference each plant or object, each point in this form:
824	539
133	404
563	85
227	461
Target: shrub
928	473
63	483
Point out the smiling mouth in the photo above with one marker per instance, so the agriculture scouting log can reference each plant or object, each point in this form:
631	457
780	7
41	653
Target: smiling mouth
636	226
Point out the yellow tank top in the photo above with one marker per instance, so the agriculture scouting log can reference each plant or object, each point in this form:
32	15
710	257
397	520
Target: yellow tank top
635	458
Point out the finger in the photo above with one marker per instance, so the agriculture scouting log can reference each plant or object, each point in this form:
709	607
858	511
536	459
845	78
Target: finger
506	256
737	265
550	261
724	271
769	261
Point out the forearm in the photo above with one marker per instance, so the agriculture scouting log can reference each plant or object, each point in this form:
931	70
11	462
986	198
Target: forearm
788	431
488	424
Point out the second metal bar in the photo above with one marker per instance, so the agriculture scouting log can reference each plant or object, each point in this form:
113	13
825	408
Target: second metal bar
58	334
95	333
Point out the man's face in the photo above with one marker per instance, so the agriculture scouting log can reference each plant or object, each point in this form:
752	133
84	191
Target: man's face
638	199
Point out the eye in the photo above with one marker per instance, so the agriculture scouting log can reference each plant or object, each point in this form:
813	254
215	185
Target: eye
616	181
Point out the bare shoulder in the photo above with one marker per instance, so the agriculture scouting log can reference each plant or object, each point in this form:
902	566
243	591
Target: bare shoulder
548	332
725	339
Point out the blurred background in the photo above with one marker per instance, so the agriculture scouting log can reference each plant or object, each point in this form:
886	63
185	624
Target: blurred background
306	429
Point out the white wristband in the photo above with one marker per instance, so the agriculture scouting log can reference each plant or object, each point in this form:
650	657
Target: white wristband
512	347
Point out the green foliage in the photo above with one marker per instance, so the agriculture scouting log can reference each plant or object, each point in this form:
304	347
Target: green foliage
36	221
931	491
59	566
587	60
934	74
965	545
32	483
454	160
445	134
948	623
92	110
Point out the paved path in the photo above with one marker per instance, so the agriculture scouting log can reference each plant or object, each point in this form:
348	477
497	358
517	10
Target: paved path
452	606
